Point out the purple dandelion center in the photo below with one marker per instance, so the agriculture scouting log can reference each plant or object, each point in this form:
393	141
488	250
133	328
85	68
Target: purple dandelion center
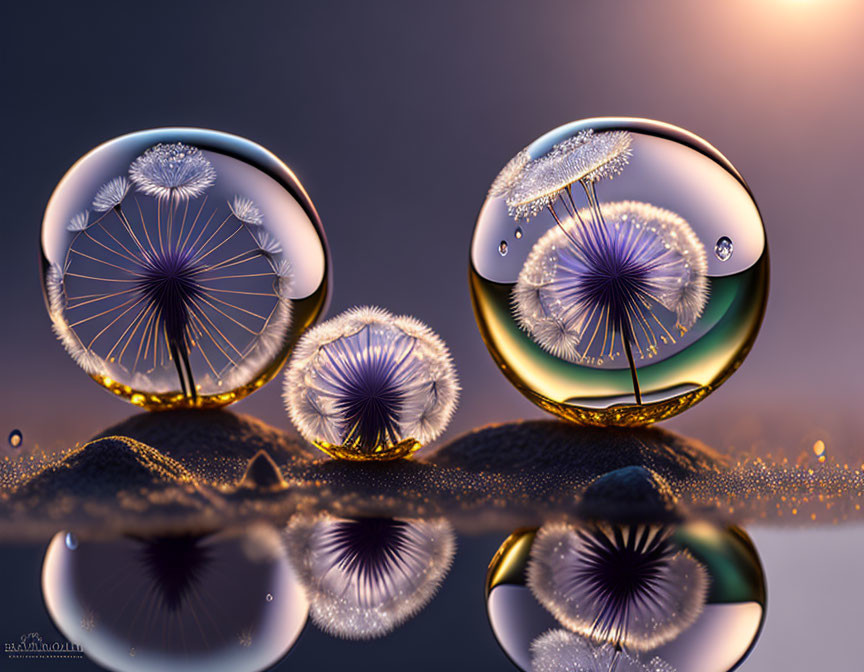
627	585
623	276
367	379
169	284
366	576
161	294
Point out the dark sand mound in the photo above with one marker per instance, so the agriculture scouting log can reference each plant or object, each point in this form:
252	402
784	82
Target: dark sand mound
215	469
578	454
104	467
106	486
214	444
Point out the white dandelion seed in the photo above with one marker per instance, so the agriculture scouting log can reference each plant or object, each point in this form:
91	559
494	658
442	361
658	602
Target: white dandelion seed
172	170
634	276
630	586
563	651
366	379
111	194
503	184
79	222
245	210
587	157
81	355
266	242
366	576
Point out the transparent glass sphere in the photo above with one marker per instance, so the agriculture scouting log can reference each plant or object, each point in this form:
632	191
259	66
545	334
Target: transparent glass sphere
619	270
180	265
228	600
689	598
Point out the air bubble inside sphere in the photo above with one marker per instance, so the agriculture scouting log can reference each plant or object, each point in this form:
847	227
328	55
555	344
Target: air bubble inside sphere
181	265
368	385
636	272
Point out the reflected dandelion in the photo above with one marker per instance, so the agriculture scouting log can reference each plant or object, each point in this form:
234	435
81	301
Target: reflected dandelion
366	576
629	586
563	651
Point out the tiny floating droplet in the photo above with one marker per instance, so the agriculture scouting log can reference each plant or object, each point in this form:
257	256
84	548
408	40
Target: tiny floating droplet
502	248
518	232
15	438
71	541
269	597
723	248
132	652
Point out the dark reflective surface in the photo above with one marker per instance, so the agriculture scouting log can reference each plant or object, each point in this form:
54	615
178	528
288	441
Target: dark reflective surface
221	601
692	596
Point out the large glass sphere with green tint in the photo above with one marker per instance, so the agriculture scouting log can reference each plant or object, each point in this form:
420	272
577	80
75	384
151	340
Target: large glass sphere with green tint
618	270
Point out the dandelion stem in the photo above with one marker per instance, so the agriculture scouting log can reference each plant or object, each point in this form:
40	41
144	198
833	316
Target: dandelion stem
614	662
625	336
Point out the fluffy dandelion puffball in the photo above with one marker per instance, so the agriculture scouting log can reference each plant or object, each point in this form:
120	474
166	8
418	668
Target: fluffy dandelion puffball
176	284
619	270
638	275
563	651
370	385
629	586
364	577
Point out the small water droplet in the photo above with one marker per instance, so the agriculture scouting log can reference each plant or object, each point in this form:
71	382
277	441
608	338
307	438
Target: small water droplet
132	651
723	248
269	597
15	438
71	541
518	233
502	248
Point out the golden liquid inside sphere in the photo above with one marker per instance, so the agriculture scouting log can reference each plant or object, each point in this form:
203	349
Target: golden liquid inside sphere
380	453
565	324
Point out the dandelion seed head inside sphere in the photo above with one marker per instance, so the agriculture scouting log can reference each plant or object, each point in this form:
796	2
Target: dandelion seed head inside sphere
172	170
370	385
191	288
614	303
639	275
366	576
630	586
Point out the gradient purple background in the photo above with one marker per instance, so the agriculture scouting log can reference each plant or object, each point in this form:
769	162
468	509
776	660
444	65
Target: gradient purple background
397	115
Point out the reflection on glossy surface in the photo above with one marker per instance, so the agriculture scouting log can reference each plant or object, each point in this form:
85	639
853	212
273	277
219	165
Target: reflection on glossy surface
628	585
716	641
223	601
621	301
180	265
564	651
367	576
